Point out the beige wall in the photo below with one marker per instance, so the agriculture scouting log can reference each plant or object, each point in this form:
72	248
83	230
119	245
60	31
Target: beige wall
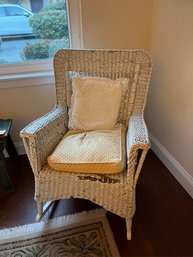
24	105
169	110
116	23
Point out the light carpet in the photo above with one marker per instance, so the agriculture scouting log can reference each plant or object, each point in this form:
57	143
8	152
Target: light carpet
85	234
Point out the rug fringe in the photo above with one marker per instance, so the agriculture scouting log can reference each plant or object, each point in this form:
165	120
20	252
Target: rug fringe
51	224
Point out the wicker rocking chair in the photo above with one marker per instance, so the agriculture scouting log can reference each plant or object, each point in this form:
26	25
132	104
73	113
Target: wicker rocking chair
115	192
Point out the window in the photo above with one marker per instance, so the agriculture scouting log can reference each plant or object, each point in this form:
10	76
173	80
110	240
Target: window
29	35
28	47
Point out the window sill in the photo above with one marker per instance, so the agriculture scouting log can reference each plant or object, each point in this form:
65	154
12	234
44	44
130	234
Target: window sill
27	79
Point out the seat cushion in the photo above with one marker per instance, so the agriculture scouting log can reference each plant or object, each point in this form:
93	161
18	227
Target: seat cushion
95	102
100	151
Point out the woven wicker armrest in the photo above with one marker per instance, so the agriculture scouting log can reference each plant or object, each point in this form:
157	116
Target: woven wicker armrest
41	136
48	121
137	134
137	139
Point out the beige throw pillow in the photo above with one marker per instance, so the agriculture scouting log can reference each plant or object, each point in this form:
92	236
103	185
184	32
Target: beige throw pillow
95	102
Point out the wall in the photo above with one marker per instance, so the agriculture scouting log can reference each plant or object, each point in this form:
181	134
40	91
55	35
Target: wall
169	112
116	24
25	104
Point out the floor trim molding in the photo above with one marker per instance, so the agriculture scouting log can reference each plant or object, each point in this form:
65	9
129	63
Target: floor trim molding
19	148
182	176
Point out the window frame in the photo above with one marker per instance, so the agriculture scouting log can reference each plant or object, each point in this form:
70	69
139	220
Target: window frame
43	69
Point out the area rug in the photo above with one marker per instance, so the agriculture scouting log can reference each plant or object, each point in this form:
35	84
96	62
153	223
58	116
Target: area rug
86	234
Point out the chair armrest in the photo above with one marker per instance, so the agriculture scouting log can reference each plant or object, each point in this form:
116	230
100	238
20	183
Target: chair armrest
42	135
137	134
137	139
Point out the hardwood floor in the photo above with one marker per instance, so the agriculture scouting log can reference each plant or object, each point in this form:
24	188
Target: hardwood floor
162	225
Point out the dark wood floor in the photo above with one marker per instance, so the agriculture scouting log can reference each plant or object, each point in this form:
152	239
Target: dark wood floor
162	226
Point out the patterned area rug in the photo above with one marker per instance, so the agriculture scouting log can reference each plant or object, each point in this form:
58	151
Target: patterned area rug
85	234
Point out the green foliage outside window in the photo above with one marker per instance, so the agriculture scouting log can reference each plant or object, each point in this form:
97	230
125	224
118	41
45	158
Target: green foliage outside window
61	5
50	25
56	45
43	49
37	50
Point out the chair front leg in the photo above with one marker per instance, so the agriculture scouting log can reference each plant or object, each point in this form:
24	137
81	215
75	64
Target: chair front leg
128	226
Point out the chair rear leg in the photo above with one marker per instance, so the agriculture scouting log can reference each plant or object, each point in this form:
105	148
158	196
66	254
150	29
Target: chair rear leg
42	209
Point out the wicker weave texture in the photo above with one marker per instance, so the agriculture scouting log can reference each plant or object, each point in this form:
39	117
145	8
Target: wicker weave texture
115	192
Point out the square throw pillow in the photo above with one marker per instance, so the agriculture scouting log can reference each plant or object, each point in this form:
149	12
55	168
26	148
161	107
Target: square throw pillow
95	102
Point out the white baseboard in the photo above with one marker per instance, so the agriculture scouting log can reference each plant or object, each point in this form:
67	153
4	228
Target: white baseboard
182	176
19	148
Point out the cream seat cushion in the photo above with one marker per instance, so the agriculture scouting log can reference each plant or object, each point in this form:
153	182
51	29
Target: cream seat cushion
95	102
100	151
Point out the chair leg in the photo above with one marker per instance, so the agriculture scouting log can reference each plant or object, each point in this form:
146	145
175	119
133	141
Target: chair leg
42	209
128	226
